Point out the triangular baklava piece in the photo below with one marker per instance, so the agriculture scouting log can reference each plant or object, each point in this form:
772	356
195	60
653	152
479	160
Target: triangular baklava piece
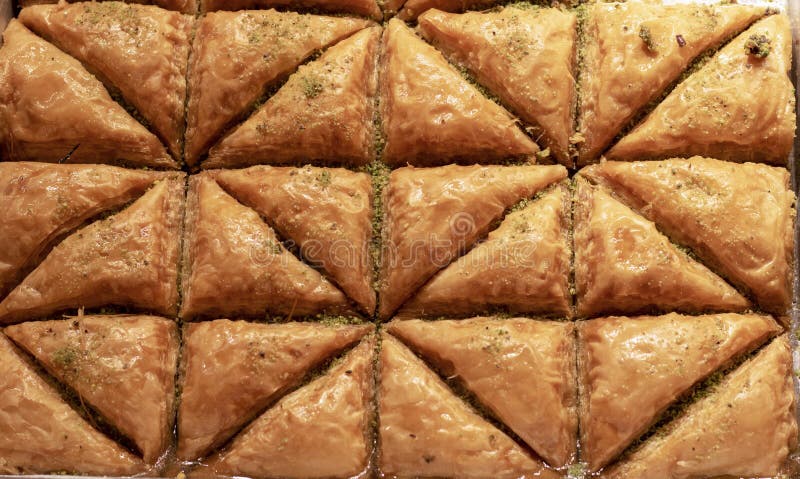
128	259
432	115
435	214
326	213
232	370
633	368
634	51
123	366
53	110
427	431
524	56
42	201
739	107
522	369
328	418
323	114
624	265
140	50
41	434
738	218
745	427
364	8
521	267
237	56
234	263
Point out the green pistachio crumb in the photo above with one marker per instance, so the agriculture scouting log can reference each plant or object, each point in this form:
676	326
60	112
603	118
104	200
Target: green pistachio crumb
758	46
645	35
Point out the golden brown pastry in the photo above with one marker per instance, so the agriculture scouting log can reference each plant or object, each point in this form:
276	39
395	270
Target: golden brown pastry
323	114
183	6
232	370
412	8
746	427
140	50
237	56
123	366
327	213
524	56
624	265
737	218
128	259
636	50
42	202
432	115
434	214
234	264
365	8
738	107
320	430
53	110
523	370
633	368
40	433
523	266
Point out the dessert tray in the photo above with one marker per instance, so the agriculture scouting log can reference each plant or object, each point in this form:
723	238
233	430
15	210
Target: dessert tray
430	238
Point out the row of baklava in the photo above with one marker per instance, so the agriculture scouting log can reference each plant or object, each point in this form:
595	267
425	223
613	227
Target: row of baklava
472	398
257	94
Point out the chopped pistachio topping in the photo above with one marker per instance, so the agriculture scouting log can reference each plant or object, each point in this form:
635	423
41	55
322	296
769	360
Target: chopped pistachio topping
758	46
312	86
645	35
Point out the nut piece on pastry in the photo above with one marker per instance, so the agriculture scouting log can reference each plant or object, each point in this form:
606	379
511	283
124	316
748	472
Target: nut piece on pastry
327	213
232	370
526	57
633	368
53	110
123	366
624	265
40	433
427	431
523	370
431	115
237	56
140	50
521	267
744	428
128	259
320	430
634	51
183	6
364	8
234	263
434	214
738	218
323	114
738	107
42	202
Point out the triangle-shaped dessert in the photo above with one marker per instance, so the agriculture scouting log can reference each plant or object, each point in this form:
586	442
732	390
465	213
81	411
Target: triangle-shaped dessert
634	51
738	218
432	115
624	265
323	114
521	267
183	6
42	202
327	213
364	8
521	369
329	416
235	265
53	110
41	434
738	107
128	259
524	56
232	370
746	427
123	366
427	431
237	56
435	214
634	368
140	50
